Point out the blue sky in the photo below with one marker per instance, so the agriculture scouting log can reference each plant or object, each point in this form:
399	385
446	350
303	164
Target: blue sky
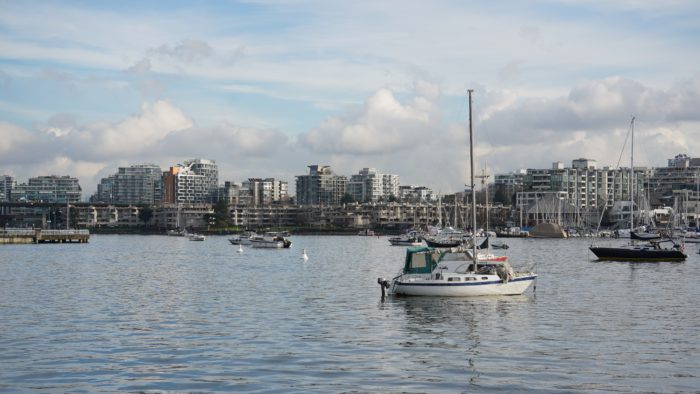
268	87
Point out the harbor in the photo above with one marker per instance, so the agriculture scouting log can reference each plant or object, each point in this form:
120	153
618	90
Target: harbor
128	313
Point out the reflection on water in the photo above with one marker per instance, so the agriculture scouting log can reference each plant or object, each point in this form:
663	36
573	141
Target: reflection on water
135	313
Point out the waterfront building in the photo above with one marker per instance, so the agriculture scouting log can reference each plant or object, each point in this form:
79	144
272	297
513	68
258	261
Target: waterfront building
7	183
588	188
51	189
506	185
140	184
195	181
682	173
230	192
390	185
416	193
370	186
266	191
320	187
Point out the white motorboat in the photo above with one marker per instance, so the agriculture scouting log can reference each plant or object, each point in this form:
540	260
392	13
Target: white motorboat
454	272
242	239
270	240
197	237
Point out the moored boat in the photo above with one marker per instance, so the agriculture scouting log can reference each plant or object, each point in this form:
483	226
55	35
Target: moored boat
270	241
652	251
409	239
197	237
429	271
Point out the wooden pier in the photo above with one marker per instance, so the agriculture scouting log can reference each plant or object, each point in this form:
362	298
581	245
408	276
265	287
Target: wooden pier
39	236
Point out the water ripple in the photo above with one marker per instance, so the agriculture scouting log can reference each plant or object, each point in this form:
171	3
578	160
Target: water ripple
162	314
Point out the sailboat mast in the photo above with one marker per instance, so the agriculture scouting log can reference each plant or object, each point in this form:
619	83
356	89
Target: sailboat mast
632	185
471	181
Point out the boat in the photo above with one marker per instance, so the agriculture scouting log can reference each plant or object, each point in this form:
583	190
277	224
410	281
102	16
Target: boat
654	250
409	239
366	232
488	244
446	238
197	237
452	272
429	271
241	239
651	251
643	236
270	241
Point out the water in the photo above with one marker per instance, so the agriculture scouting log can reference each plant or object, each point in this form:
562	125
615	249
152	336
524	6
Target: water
156	313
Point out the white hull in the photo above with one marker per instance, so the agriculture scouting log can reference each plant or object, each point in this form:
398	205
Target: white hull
267	244
483	285
240	241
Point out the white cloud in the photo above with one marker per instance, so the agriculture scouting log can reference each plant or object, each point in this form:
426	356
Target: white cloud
383	125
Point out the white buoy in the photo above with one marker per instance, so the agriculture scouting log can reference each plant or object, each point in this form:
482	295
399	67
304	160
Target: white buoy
240	248
303	255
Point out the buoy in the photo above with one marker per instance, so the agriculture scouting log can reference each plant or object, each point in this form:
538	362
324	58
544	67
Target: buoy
303	255
240	248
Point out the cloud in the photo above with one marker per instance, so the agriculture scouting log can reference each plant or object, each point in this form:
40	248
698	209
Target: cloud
12	138
189	50
226	140
383	125
141	67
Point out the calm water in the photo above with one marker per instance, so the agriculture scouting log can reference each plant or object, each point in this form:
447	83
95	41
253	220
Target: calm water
156	313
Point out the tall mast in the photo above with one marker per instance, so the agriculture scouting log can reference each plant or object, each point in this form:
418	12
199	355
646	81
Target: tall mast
632	185
471	181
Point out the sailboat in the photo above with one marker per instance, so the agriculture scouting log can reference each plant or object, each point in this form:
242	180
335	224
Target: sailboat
654	250
429	271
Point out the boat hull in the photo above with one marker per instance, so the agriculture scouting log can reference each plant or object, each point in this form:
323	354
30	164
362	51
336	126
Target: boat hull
442	244
394	242
637	254
493	286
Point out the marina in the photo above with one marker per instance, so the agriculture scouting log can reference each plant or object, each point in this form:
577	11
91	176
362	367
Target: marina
152	313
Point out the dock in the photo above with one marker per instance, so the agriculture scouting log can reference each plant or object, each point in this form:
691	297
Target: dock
40	236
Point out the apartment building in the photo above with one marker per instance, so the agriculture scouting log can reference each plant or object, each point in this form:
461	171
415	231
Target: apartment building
140	184
50	189
320	187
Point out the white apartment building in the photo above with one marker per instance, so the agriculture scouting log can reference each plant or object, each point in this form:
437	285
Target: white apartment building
137	184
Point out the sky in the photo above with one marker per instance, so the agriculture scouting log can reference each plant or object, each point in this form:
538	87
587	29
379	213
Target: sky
268	87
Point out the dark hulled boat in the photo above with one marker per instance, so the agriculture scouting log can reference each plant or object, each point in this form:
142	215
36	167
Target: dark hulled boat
652	251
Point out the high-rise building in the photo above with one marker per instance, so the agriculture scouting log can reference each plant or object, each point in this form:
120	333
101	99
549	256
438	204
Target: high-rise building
136	184
195	181
320	186
682	173
266	191
51	188
370	186
7	183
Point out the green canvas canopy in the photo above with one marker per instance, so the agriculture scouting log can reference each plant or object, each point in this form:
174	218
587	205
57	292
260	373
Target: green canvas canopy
421	260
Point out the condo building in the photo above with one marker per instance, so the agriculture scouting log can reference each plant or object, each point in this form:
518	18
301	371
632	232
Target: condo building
140	184
320	187
7	183
370	186
51	189
195	181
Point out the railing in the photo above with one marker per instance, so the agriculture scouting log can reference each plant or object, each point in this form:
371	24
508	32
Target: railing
31	232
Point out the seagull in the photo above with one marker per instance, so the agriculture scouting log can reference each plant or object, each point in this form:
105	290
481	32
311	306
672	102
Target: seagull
303	255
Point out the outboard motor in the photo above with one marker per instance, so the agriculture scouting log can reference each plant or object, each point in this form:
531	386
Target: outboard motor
383	283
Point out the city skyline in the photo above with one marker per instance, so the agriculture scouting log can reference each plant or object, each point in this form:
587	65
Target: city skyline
267	88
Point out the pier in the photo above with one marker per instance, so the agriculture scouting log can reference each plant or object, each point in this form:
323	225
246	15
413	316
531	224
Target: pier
39	236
